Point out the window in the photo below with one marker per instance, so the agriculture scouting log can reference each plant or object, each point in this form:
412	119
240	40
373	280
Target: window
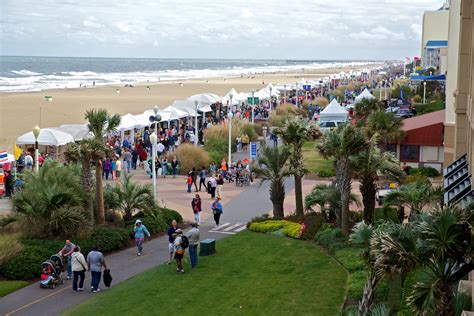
410	153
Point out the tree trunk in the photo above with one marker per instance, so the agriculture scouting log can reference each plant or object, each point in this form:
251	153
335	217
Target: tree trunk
368	189
368	296
395	293
277	196
86	183
344	185
99	190
299	196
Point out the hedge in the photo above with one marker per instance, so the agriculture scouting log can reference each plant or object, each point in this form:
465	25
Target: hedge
290	229
169	215
332	239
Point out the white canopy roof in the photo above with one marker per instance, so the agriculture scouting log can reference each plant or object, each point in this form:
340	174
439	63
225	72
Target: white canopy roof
165	116
143	119
47	137
235	97
333	112
128	122
176	113
205	98
77	131
364	95
186	106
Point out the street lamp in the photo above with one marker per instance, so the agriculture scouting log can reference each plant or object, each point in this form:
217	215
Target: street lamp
253	104
271	88
154	140
36	133
196	137
230	115
424	92
155	110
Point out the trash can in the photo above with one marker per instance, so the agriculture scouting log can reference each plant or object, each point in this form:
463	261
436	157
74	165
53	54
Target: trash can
207	247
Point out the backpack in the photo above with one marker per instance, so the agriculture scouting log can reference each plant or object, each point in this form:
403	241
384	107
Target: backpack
184	242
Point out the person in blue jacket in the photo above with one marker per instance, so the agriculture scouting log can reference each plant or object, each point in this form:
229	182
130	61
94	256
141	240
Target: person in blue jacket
140	232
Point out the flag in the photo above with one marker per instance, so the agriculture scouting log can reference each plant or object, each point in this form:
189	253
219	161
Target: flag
17	152
407	58
401	93
3	157
416	58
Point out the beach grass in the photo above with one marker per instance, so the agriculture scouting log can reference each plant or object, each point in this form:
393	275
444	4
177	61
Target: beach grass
251	274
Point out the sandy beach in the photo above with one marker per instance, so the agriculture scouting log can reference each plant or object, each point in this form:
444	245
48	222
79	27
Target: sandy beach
20	112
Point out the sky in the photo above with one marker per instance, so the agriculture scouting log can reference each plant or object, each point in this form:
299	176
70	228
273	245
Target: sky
271	29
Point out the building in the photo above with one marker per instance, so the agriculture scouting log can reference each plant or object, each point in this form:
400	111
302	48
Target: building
435	31
423	143
451	79
436	56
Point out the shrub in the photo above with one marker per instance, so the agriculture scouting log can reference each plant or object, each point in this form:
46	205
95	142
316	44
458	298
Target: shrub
249	129
258	128
417	98
293	230
258	219
332	239
326	173
350	258
356	216
312	224
387	214
355	284
425	171
106	238
268	226
111	200
321	102
190	156
286	109
10	246
169	215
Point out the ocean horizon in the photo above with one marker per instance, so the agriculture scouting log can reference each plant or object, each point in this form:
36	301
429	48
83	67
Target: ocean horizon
36	73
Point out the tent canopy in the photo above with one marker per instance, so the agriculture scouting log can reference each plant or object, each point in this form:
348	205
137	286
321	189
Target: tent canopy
334	112
47	137
176	113
205	98
77	131
128	122
186	106
364	95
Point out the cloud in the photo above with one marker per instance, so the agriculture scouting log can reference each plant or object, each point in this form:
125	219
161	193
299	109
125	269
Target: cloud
200	29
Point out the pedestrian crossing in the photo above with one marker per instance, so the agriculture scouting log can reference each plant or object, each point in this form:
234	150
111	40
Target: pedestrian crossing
229	228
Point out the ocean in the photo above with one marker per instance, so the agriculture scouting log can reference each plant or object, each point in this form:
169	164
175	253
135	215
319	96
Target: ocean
18	74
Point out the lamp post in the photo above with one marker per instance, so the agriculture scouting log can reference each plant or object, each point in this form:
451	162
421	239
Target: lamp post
36	133
271	98
424	92
253	104
154	140
196	106
231	96
155	110
230	115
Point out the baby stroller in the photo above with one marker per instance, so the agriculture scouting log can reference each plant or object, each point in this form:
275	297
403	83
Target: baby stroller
242	180
51	271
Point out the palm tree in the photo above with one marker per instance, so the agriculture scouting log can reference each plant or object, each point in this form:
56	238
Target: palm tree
341	144
386	126
100	123
414	195
295	132
366	106
328	198
368	164
272	166
133	197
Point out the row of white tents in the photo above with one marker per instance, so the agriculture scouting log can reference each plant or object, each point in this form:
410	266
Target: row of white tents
193	106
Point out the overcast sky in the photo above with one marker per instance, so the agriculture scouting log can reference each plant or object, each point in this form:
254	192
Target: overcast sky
283	29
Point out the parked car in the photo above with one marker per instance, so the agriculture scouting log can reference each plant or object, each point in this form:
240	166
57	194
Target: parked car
327	126
404	113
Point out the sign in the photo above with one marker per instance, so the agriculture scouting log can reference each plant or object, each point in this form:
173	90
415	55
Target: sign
253	150
307	87
254	101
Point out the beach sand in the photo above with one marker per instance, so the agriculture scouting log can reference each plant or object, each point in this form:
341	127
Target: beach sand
20	112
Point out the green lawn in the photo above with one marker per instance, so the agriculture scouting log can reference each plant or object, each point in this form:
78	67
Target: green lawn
6	287
314	162
252	274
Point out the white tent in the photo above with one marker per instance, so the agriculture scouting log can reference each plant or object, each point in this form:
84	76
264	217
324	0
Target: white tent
205	98
165	116
176	113
235	97
333	112
128	122
77	131
186	106
364	95
273	89
47	137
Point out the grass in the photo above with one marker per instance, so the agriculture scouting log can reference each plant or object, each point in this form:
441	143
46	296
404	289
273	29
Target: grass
252	274
7	287
315	163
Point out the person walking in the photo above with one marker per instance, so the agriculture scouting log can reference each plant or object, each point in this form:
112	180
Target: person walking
179	250
164	167
194	177
171	238
95	262
174	166
193	238
67	251
189	182
79	268
134	158
196	206
212	167
113	165
217	210
213	186
127	159
118	168
220	183
107	168
140	232
202	178
28	161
